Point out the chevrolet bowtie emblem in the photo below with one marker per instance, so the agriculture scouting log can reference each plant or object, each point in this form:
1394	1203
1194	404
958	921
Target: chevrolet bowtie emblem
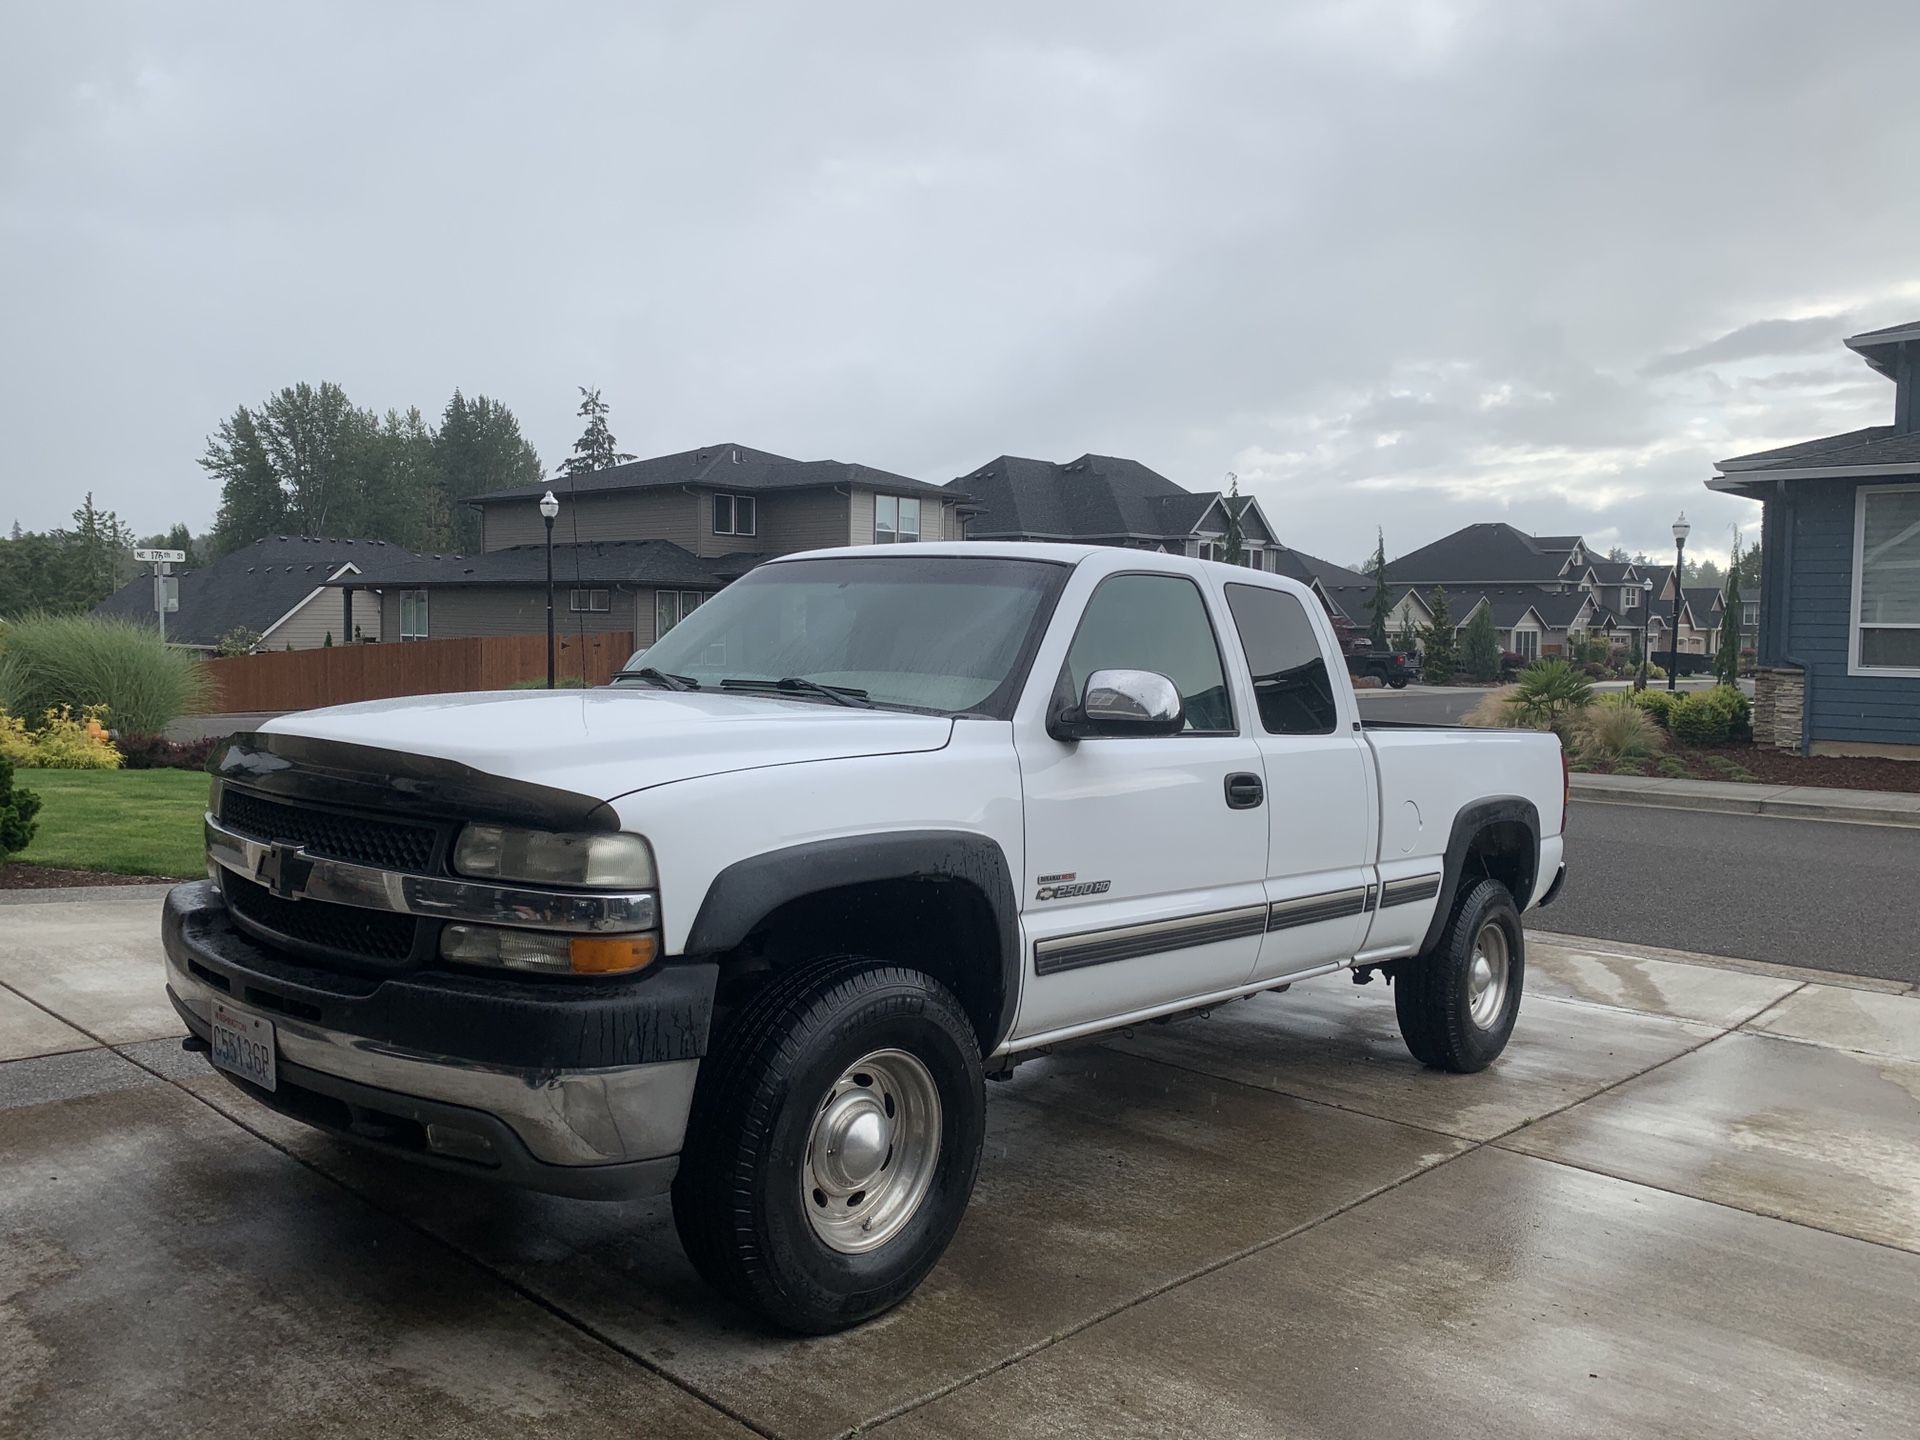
284	869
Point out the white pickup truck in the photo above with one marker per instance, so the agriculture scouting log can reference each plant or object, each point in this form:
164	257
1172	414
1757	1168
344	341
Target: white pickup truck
755	922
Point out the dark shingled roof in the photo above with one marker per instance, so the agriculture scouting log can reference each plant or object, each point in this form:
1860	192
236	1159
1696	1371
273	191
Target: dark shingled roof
1875	445
1491	551
252	588
599	562
1097	497
722	467
1610	572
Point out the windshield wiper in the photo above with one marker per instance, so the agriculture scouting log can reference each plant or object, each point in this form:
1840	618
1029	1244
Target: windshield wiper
660	677
799	684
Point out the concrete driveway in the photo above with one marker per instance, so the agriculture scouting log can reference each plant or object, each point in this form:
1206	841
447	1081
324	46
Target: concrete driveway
1686	1202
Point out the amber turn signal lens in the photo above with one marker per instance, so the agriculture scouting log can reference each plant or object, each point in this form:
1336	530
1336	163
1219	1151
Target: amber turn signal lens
617	955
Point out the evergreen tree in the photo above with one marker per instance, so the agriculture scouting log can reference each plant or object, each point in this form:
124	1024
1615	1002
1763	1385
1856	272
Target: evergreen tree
1480	647
1726	664
478	450
1408	639
402	501
1234	548
102	552
596	448
252	501
1378	604
1442	645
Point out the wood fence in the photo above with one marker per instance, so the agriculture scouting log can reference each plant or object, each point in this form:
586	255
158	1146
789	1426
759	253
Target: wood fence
302	679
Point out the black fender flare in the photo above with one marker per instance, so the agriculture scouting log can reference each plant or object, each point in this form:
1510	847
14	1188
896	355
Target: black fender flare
747	891
1466	825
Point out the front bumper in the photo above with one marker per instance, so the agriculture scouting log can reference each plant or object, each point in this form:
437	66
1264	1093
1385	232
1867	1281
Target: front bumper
576	1089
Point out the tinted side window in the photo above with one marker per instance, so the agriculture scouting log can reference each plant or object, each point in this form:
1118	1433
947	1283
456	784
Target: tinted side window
1290	679
1158	623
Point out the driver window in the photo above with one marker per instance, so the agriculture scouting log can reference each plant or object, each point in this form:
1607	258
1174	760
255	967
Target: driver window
1158	623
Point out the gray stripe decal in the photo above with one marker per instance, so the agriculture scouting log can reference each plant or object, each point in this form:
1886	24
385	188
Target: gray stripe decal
1311	909
1130	942
1407	891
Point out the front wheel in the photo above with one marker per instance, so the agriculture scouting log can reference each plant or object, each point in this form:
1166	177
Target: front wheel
833	1144
1457	1003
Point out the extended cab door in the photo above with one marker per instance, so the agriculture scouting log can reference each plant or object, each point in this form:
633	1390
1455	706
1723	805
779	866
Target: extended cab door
1144	880
1320	793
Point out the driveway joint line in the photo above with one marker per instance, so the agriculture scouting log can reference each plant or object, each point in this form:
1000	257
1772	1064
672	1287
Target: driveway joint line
459	1252
1200	1272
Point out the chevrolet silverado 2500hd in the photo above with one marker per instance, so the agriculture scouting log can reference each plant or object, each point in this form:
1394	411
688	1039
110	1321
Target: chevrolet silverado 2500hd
753	922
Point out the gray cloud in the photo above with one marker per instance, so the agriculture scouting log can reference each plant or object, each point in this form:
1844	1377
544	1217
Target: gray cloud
1761	338
1395	263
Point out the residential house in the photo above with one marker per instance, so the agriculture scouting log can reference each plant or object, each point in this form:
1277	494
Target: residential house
1108	500
280	587
638	546
1839	603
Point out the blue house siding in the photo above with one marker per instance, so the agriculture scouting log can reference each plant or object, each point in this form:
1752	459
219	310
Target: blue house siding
1818	592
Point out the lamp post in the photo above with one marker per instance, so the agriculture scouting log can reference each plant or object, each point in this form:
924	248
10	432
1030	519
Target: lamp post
1680	529
1646	609
549	507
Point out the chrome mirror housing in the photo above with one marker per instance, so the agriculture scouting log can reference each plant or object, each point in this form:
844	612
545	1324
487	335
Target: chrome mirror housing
1122	702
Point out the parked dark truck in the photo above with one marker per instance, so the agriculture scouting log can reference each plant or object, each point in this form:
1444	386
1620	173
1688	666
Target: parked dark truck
1394	669
754	923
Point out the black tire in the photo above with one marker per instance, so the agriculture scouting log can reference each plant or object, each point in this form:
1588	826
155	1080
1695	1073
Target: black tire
1433	994
738	1198
1398	682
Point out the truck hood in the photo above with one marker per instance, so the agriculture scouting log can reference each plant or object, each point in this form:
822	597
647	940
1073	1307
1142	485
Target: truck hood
609	742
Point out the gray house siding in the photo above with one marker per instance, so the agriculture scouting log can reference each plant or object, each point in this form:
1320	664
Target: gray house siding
458	611
323	614
677	515
1808	585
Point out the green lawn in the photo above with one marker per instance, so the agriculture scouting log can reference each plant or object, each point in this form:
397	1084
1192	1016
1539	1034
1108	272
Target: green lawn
129	822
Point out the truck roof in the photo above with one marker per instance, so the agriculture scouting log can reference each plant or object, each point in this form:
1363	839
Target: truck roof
1101	557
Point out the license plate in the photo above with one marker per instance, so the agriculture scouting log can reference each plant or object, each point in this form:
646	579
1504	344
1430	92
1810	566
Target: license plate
243	1045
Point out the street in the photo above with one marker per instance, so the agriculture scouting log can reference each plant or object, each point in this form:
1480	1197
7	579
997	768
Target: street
1796	892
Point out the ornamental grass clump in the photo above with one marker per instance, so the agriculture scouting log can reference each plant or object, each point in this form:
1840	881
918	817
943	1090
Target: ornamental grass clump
78	661
1616	733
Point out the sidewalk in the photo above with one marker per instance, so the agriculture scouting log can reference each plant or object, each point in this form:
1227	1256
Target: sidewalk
1796	802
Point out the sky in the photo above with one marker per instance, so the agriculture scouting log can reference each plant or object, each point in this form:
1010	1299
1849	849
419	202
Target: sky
1398	265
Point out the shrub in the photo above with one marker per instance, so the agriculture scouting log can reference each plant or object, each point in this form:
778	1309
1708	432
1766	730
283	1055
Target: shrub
237	641
1496	712
1550	694
1618	735
1711	717
17	809
1655	672
64	743
76	661
156	752
1657	703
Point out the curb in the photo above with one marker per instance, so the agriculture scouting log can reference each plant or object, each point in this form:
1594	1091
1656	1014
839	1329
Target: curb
1871	809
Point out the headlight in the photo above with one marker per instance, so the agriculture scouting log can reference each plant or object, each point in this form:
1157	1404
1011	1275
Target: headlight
545	953
542	857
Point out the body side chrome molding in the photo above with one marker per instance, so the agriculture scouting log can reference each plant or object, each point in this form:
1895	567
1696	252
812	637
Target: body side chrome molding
1410	889
1130	942
433	897
1311	909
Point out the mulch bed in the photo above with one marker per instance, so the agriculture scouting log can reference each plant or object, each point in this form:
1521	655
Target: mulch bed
21	876
1768	766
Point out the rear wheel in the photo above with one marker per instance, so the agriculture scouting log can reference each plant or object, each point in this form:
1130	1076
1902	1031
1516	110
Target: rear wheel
833	1144
1458	1002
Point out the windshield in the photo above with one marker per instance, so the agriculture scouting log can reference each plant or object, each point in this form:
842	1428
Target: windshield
949	634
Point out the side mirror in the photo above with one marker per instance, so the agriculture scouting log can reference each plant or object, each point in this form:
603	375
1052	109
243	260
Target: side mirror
1121	702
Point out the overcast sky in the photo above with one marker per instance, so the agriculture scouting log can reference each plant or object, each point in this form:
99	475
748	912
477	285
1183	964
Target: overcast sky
1413	265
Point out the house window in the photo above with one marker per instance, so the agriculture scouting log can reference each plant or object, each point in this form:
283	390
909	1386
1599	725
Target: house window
1209	550
670	607
896	519
1527	643
735	515
413	614
1749	613
1886	579
591	602
1630	597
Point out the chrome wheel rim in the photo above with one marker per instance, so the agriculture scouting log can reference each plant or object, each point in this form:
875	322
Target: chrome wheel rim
871	1152
1487	976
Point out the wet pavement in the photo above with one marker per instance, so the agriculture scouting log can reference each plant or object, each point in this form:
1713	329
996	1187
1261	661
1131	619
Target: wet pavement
1686	1202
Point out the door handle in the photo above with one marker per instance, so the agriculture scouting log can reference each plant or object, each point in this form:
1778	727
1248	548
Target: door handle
1244	791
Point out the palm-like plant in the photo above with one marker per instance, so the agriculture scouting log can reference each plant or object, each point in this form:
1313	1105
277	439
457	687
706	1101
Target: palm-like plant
1550	694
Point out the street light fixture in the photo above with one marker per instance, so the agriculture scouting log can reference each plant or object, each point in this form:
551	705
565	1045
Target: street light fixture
549	508
1646	609
1680	529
